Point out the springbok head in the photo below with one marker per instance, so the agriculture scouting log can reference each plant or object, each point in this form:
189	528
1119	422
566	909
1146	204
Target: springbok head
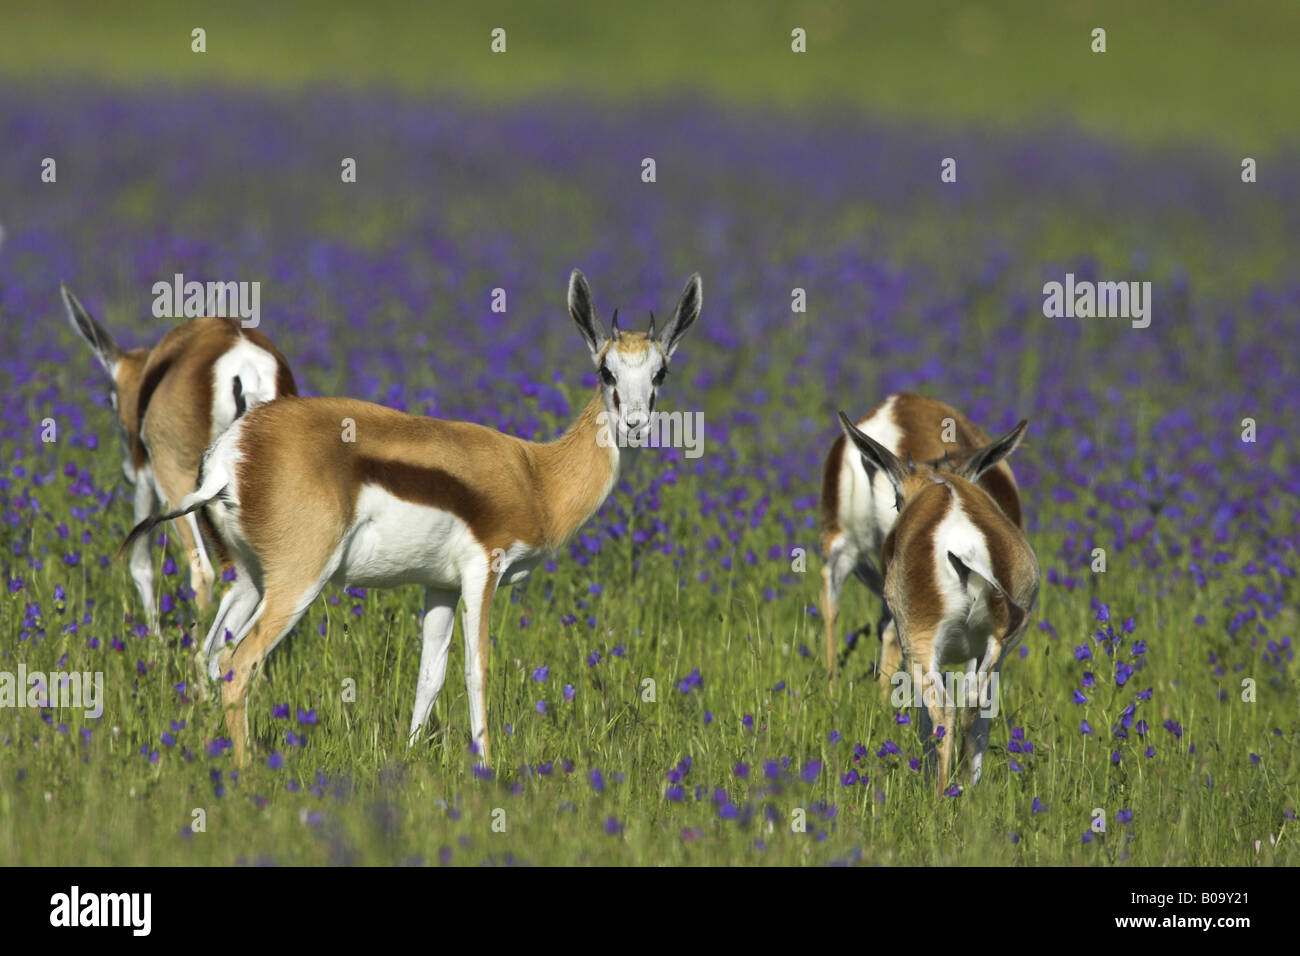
631	365
125	369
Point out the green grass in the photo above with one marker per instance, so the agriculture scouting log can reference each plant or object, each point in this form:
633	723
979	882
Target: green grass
1200	69
104	803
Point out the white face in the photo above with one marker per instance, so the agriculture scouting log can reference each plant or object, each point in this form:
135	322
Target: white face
631	365
631	371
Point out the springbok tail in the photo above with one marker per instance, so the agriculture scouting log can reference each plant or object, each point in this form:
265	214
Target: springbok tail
966	567
211	487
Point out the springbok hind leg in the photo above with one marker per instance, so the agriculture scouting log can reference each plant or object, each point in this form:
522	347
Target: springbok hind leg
840	560
236	616
281	612
202	577
141	563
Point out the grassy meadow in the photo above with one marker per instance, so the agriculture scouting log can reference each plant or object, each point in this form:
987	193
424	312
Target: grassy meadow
657	694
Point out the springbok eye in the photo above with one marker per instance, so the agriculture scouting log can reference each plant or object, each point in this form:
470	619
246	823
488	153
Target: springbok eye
607	376
659	376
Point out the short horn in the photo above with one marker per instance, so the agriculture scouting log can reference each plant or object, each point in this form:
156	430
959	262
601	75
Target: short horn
651	333
613	327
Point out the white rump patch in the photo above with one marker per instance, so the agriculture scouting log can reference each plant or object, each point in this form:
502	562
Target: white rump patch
256	369
867	509
967	615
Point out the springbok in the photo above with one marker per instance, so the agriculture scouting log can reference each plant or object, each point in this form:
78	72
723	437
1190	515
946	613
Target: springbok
402	499
960	580
171	401
858	503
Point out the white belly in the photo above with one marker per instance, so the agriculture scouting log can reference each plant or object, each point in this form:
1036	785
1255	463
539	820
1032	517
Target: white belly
396	542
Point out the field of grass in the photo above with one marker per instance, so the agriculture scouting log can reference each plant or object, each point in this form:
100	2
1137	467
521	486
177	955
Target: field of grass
1161	691
1173	69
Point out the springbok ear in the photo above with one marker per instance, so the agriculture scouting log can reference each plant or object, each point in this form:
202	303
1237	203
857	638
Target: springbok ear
96	336
992	453
584	313
688	310
878	455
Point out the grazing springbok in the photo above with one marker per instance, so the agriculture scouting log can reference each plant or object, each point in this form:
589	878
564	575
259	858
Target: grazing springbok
306	491
858	504
960	581
171	401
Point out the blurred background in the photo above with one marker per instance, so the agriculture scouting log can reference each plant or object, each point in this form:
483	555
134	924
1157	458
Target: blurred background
1196	69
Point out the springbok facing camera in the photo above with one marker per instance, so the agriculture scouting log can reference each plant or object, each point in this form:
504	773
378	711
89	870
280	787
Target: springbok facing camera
171	402
858	504
960	579
456	507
